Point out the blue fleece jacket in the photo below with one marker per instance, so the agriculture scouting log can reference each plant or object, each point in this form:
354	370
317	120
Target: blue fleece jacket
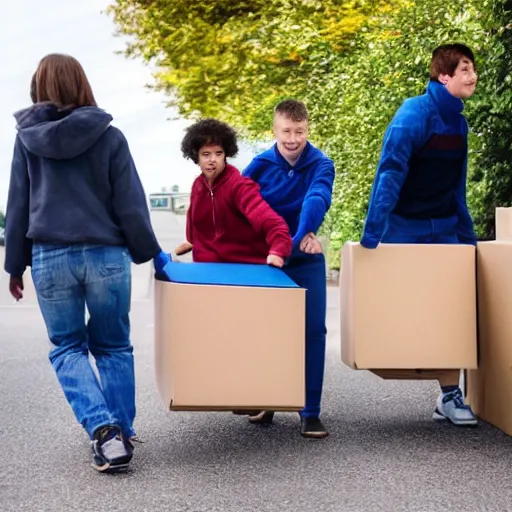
422	169
301	193
73	180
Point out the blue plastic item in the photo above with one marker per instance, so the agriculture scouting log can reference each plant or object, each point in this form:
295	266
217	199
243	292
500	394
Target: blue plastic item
226	274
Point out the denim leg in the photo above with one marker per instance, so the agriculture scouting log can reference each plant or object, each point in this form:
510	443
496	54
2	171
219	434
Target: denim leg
62	302
108	294
309	272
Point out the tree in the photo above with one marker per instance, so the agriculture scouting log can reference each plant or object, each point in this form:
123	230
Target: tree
352	106
391	64
234	59
2	219
352	62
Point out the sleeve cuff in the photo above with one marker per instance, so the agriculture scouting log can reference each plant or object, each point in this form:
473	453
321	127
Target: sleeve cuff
369	242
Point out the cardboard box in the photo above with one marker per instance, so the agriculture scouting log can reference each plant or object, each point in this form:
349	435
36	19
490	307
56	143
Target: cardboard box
503	224
408	307
489	389
229	336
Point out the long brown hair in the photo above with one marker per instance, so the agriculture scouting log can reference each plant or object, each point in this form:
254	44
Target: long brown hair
33	91
60	79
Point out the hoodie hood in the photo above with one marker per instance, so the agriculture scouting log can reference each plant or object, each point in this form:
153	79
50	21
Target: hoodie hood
309	155
50	132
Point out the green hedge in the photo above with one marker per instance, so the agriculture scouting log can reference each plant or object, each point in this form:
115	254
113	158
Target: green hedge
352	75
361	94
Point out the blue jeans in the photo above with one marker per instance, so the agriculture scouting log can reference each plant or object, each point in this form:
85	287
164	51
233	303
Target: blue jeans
308	271
420	231
68	278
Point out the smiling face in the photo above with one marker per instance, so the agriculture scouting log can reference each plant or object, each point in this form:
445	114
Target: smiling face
291	137
212	161
463	82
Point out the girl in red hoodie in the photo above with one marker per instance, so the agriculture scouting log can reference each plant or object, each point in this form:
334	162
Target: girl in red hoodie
228	221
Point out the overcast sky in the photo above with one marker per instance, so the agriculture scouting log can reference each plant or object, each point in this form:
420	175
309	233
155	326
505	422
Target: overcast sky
29	29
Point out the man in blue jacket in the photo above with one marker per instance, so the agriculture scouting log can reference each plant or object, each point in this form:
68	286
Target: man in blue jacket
419	190
296	180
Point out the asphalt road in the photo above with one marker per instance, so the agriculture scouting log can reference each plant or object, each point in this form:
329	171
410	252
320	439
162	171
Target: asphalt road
384	452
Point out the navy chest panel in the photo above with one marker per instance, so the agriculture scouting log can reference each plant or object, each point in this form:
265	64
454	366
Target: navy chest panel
434	174
446	146
440	162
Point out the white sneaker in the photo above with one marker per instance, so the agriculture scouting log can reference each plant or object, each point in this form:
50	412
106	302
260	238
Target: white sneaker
451	407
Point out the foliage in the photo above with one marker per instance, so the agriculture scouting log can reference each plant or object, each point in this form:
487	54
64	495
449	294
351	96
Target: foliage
234	59
352	62
2	219
359	98
489	115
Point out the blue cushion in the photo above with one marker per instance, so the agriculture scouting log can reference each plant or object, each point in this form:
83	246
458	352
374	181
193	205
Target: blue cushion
227	274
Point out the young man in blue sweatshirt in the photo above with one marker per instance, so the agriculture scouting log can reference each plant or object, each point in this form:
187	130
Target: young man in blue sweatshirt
419	191
296	180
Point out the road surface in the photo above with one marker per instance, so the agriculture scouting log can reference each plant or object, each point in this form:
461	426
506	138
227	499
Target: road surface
384	452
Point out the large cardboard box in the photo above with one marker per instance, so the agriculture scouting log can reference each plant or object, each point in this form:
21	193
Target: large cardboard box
229	336
408	307
489	389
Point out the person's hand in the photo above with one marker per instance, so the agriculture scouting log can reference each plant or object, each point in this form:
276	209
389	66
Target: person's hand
275	261
310	244
183	248
16	287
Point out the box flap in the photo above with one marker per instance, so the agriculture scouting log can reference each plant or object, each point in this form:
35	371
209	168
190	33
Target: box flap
348	355
503	224
229	274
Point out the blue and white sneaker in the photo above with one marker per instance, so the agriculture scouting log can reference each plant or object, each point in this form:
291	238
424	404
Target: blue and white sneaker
109	451
451	407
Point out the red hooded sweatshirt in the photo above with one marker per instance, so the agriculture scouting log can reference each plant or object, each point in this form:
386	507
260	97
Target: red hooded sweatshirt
230	222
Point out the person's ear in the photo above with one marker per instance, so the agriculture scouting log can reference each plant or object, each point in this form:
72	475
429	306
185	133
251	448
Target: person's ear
444	79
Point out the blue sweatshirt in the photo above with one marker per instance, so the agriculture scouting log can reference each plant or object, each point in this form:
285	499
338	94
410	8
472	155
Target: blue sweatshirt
73	180
301	193
422	169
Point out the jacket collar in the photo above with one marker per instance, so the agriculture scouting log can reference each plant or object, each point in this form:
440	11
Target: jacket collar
222	178
445	101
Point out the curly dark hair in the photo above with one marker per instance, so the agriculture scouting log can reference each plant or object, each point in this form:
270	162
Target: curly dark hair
208	132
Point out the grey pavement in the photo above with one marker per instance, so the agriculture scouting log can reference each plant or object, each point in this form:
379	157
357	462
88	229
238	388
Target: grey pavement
384	452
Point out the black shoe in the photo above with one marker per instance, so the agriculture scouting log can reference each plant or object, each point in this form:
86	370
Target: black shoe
246	412
262	418
109	451
312	427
